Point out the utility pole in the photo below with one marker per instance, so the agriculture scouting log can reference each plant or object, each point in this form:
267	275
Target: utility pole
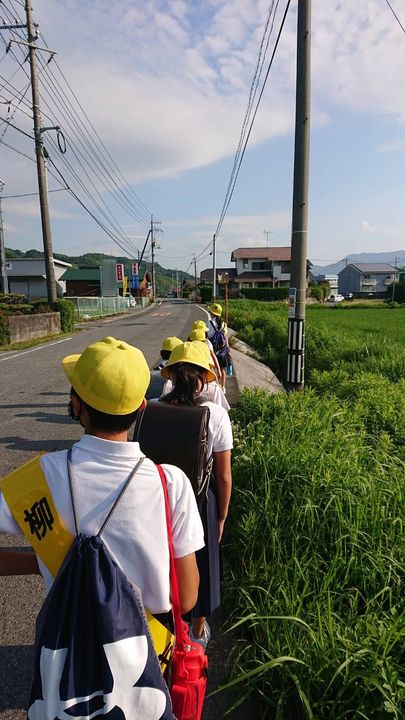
41	166
214	268
3	271
195	277
298	282
152	244
393	284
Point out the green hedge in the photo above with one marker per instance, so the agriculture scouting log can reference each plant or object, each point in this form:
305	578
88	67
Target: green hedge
399	292
265	293
205	293
67	314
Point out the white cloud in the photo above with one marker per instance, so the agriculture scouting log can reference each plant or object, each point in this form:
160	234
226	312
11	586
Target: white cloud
166	84
383	231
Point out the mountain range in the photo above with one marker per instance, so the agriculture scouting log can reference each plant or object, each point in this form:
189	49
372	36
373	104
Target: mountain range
392	257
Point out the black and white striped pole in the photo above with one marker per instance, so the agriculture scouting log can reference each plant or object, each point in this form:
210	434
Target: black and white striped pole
298	281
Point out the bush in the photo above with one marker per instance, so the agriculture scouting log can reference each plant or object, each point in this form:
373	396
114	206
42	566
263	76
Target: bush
4	331
205	293
67	314
399	292
265	293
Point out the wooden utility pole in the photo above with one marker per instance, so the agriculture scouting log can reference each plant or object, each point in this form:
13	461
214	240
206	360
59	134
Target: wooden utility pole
3	271
298	281
41	167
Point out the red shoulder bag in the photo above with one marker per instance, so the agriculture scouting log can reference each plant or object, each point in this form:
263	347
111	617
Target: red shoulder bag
188	675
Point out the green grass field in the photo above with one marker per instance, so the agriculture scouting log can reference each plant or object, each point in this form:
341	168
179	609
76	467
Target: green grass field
315	543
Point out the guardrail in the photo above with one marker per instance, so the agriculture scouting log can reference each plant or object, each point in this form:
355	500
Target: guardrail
91	307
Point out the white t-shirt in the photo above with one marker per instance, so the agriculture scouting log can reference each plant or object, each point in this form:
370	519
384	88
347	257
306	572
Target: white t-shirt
136	534
220	436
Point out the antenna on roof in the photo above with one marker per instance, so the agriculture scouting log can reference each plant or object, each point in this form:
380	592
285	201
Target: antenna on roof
267	233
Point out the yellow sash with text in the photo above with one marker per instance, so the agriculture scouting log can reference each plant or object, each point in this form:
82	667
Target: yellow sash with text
30	501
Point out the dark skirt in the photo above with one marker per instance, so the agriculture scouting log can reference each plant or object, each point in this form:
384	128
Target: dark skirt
208	558
224	361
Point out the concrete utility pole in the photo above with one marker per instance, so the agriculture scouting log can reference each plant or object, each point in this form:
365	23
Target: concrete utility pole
41	166
3	271
214	268
195	277
393	284
298	282
152	243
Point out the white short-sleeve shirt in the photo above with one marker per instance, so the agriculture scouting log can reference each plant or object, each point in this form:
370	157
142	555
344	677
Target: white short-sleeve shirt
220	436
136	535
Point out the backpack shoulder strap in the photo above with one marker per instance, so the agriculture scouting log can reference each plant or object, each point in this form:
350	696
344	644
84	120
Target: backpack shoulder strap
115	503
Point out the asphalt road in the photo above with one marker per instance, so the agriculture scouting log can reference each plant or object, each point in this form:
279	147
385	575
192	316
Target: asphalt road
33	418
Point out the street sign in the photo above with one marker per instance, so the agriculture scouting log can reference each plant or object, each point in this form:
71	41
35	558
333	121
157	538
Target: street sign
119	271
134	268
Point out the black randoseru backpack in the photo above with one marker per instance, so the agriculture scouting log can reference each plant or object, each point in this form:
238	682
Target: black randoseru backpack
177	435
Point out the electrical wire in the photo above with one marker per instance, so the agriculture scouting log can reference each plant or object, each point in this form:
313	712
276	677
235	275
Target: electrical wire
125	250
228	198
395	16
48	82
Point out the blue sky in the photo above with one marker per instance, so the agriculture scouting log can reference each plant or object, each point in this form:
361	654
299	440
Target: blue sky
166	85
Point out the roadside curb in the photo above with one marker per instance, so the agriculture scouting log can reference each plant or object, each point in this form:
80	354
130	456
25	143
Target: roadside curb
249	372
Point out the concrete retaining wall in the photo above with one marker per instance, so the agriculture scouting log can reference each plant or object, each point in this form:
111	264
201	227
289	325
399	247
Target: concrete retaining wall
30	327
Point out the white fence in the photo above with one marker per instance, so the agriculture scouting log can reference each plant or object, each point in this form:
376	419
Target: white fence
90	307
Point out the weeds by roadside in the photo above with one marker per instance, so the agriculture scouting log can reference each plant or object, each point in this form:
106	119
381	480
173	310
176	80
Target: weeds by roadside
316	535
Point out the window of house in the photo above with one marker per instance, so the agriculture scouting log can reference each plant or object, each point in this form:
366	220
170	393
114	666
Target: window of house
260	265
245	264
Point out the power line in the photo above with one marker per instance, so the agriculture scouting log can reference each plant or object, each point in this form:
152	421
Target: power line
56	93
396	16
229	195
125	250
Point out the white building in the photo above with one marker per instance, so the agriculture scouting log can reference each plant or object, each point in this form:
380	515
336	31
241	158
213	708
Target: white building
26	276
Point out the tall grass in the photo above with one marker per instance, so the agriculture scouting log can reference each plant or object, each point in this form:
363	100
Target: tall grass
315	542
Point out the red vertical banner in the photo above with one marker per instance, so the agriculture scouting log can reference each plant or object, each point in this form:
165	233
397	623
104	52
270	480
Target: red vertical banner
119	271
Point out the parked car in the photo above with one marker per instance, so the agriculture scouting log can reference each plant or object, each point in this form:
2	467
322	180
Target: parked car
349	296
131	300
335	298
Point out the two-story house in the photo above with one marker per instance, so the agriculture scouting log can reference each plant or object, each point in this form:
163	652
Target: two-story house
262	266
367	279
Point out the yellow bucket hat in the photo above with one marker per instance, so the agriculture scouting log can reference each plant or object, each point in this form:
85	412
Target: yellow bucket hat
197	335
195	353
200	325
215	309
170	343
109	375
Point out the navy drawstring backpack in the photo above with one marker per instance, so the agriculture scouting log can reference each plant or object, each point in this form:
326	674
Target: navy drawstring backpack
93	652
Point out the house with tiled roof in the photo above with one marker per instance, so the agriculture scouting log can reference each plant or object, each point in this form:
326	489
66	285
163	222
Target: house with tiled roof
262	266
366	279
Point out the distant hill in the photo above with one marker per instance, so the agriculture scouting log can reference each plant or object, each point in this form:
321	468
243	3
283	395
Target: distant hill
383	257
165	277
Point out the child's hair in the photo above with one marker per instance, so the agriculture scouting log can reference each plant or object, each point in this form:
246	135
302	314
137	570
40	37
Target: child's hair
104	421
188	379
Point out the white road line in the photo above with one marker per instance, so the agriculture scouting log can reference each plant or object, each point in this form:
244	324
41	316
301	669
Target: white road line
40	347
204	310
